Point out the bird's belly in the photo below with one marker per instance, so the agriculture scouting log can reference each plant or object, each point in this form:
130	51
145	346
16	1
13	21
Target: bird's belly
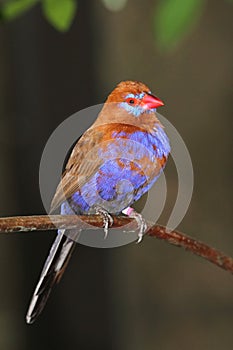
129	167
115	186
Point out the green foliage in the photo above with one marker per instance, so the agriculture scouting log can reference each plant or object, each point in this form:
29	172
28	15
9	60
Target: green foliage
60	13
174	19
13	8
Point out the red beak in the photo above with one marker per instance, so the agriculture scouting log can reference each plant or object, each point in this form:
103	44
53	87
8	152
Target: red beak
151	101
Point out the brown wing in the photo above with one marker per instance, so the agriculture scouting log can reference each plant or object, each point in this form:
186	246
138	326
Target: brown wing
82	164
85	160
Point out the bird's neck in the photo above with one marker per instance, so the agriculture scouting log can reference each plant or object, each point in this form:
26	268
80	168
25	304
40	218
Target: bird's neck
112	113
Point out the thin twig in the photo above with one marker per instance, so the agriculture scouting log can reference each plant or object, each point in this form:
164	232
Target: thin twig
53	222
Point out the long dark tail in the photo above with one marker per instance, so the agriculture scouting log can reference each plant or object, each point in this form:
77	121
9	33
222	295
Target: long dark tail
51	274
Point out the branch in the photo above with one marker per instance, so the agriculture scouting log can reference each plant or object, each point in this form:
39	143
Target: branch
53	222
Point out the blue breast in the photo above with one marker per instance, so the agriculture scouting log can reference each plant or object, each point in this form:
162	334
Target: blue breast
120	180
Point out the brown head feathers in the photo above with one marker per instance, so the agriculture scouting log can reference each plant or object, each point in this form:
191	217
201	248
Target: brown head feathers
126	87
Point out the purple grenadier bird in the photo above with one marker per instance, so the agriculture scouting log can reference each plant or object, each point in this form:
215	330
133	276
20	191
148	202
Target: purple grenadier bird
111	166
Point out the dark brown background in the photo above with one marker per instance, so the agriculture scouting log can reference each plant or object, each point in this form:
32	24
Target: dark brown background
151	296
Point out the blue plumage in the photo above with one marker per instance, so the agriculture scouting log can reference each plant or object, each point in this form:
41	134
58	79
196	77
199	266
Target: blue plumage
122	178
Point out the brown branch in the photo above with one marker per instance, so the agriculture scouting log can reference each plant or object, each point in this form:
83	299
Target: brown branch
53	222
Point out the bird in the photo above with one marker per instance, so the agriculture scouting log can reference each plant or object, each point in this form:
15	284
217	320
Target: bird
111	166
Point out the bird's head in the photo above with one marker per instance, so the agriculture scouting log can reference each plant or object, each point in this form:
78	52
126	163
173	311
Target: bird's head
135	98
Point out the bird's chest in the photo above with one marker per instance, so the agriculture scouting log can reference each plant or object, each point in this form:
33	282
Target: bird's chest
130	164
134	152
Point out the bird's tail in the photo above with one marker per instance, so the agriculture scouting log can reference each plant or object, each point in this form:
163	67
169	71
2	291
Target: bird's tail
51	274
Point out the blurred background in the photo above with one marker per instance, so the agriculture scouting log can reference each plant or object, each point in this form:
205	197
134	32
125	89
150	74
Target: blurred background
147	296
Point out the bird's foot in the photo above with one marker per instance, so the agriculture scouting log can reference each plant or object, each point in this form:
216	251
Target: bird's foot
107	219
131	213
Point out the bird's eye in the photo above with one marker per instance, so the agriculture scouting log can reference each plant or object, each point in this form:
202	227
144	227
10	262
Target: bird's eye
131	101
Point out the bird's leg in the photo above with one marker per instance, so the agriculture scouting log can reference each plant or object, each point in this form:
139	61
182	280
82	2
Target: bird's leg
142	226
107	219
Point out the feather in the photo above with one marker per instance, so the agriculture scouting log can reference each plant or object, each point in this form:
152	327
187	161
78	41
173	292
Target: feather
51	274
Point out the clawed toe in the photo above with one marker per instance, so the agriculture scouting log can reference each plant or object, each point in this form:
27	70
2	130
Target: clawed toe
142	225
107	219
